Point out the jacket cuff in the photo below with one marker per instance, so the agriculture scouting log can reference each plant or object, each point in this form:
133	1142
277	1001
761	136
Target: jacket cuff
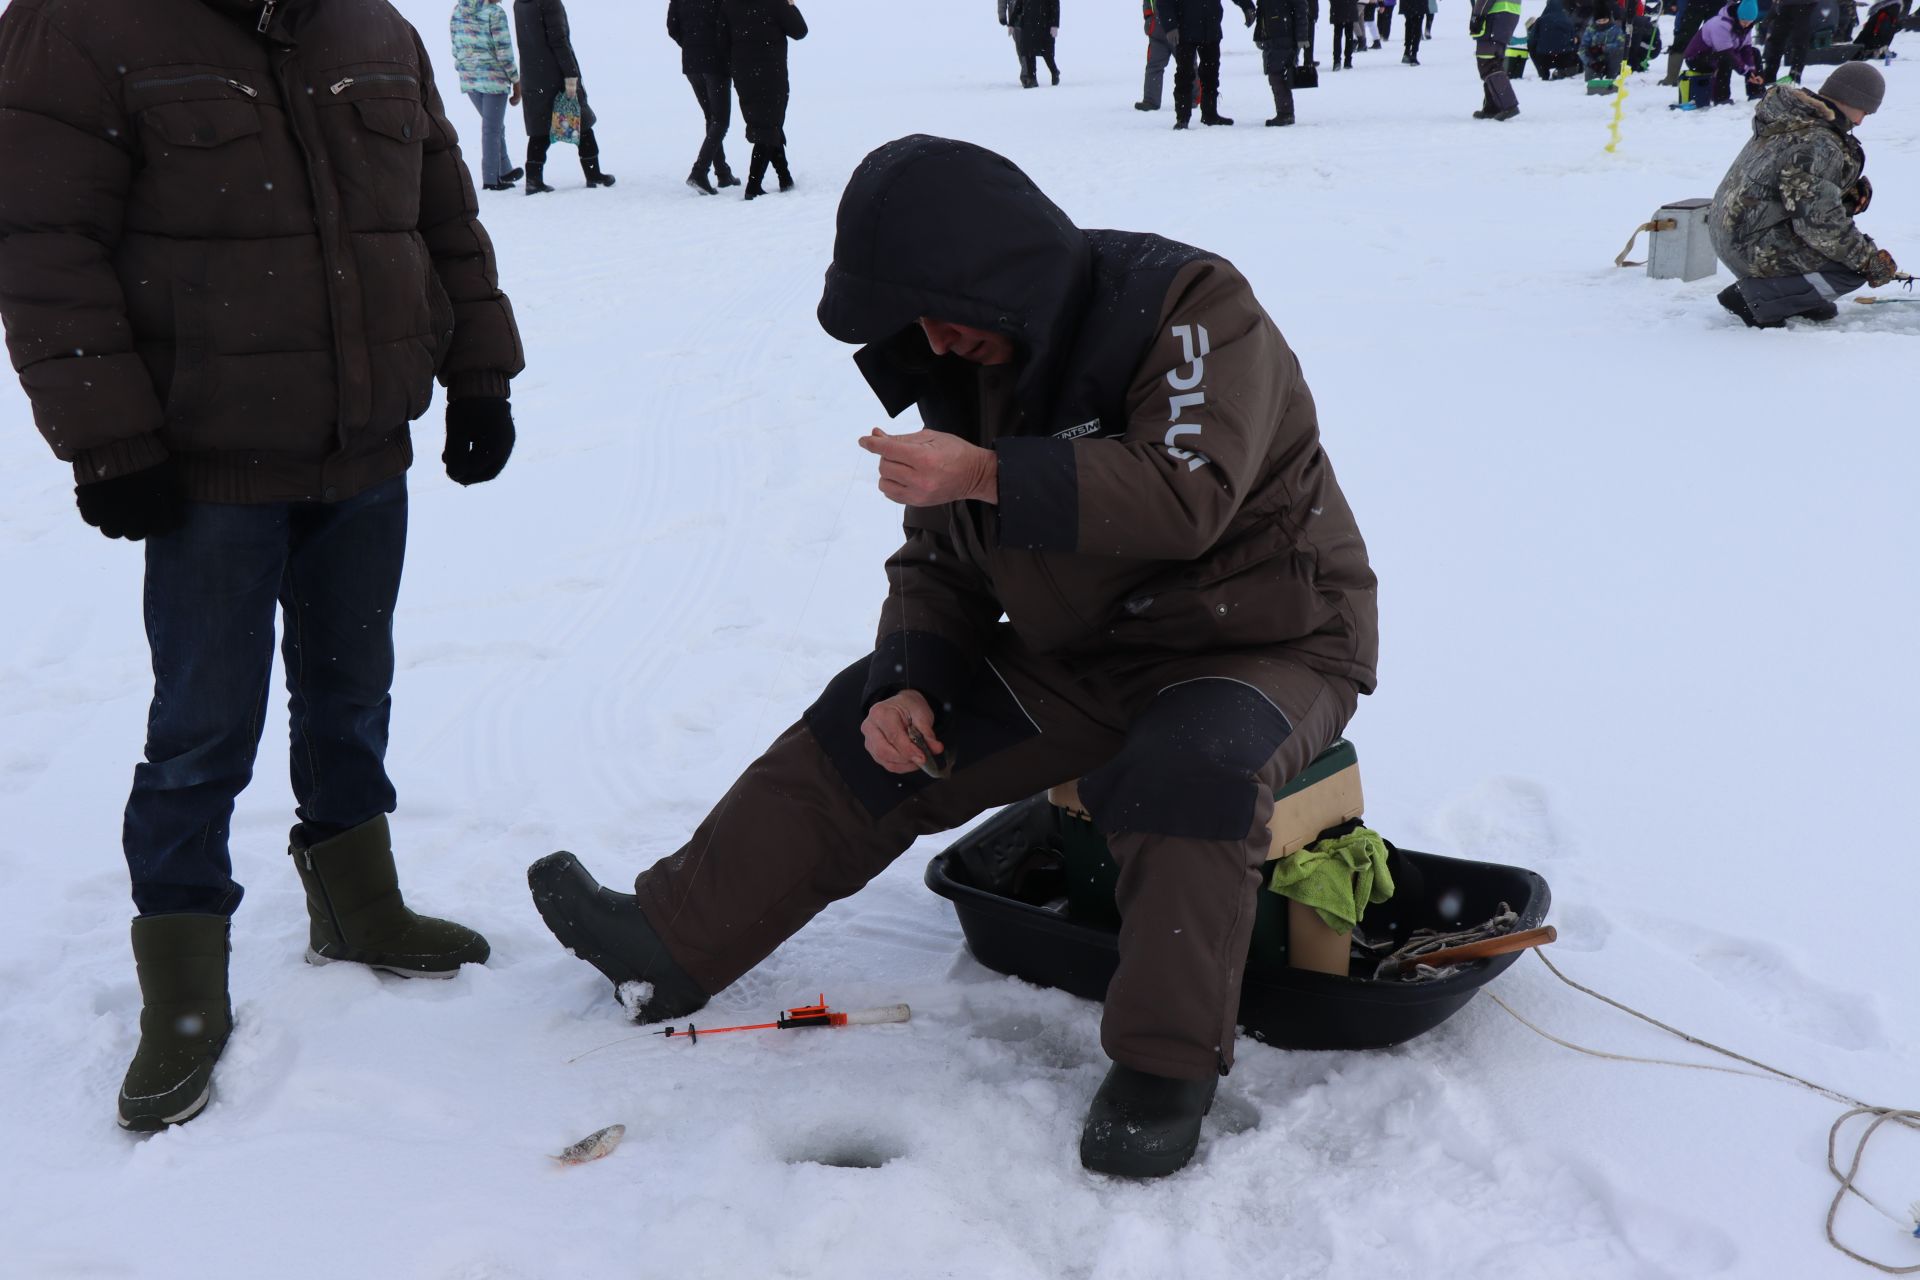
480	384
122	457
1039	494
919	660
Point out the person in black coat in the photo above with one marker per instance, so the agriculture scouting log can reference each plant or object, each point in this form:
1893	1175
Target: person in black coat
1035	24
547	67
1197	24
1284	25
1349	33
700	29
759	31
1553	42
1415	12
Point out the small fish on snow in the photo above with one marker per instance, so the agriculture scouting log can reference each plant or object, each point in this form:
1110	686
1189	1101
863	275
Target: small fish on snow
599	1143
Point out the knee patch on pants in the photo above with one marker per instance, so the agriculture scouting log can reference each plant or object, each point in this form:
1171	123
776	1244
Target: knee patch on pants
1190	764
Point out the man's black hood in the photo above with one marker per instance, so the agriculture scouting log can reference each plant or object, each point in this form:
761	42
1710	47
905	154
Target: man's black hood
934	227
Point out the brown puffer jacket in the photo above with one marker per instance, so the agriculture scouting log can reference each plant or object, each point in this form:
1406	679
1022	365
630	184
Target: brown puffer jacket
1162	489
250	250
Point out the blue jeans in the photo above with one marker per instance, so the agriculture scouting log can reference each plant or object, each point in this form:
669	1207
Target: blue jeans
212	585
494	160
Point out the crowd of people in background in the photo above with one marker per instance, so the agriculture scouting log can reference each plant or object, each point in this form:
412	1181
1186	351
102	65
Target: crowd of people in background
1595	40
727	47
1189	34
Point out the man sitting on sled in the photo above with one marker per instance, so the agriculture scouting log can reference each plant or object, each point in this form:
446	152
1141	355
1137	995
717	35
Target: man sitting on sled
1127	561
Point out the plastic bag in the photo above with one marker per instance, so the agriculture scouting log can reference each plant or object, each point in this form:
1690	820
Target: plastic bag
566	120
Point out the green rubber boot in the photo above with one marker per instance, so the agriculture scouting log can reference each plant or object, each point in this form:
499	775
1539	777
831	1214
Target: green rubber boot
185	1019
357	914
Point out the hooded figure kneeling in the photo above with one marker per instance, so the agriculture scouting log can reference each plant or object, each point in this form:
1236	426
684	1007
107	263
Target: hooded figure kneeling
1126	560
1782	219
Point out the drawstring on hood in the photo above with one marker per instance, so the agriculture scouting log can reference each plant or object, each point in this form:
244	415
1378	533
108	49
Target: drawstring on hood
949	230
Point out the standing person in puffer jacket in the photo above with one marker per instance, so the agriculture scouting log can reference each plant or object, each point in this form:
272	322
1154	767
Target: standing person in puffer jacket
759	31
237	245
546	49
1283	26
1121	458
700	29
483	56
1159	53
1491	24
1782	219
1036	25
1194	28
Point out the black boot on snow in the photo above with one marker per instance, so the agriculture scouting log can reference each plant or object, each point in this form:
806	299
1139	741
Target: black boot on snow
185	1019
1216	118
1820	315
1142	1125
1733	300
1282	101
356	914
699	182
610	932
780	170
722	175
536	183
1179	122
590	166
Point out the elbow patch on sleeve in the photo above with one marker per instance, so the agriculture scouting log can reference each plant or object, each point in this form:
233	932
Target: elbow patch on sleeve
1039	494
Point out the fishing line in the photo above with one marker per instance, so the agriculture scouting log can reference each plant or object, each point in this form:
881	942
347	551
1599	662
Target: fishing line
833	535
1908	1119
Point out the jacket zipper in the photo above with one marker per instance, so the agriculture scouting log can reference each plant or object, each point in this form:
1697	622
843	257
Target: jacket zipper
266	16
350	81
249	90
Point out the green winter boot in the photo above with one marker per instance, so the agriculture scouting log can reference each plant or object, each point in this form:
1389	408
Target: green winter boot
356	912
1142	1125
184	1019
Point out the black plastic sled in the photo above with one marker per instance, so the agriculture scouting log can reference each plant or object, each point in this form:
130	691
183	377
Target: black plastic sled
1007	882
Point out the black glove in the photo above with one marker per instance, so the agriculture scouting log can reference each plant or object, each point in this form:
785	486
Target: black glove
151	500
1857	197
479	438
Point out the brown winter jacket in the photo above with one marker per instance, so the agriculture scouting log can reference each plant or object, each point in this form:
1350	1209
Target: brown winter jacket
1163	492
252	252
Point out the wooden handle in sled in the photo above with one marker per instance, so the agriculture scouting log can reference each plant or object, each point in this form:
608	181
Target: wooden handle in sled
1499	946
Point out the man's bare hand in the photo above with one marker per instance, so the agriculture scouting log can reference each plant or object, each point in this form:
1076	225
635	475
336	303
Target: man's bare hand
930	468
885	731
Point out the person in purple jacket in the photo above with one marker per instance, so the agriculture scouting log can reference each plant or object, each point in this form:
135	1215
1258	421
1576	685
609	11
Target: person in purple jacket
1722	46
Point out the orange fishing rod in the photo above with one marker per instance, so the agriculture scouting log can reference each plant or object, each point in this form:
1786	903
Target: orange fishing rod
806	1015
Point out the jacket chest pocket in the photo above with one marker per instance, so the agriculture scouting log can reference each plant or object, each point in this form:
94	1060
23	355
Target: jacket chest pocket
376	129
203	171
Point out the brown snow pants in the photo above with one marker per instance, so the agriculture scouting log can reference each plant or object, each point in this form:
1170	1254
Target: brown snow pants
1178	758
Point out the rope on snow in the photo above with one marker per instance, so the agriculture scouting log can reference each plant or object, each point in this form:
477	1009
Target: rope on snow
1882	1115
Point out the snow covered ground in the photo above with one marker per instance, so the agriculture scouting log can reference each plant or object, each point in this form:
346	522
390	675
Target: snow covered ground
1648	607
